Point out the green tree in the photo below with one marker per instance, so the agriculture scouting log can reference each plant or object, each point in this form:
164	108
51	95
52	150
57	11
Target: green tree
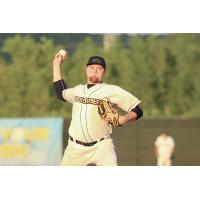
27	89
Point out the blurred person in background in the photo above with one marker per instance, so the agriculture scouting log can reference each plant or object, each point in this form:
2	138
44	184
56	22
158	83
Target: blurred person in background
164	149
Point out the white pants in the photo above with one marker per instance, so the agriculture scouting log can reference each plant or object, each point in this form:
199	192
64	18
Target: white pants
100	154
164	161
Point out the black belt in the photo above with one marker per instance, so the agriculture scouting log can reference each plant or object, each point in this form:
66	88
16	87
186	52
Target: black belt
83	143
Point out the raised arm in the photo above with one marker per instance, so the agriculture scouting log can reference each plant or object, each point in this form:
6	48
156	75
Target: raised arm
57	74
59	84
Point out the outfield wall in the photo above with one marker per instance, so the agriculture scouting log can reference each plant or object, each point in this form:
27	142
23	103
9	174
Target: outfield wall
42	141
134	142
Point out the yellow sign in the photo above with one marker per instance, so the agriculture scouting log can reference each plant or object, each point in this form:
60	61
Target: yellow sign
29	134
14	150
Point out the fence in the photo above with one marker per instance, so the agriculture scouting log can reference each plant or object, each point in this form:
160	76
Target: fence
134	142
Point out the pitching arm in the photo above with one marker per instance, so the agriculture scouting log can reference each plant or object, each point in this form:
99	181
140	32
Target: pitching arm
59	86
58	59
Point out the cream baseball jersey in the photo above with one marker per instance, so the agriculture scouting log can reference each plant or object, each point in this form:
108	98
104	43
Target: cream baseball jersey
86	124
165	145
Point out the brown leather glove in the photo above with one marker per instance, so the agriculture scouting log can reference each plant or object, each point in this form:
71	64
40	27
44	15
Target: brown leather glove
108	113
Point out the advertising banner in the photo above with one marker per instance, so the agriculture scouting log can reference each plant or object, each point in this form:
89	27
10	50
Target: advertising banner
31	141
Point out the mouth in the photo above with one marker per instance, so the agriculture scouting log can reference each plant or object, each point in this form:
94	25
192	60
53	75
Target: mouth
94	79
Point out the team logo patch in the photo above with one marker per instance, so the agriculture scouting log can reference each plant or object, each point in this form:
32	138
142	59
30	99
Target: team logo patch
87	100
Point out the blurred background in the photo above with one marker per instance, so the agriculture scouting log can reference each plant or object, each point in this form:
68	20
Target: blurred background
162	70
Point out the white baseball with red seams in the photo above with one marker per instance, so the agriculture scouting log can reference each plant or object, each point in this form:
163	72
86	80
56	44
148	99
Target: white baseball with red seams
63	52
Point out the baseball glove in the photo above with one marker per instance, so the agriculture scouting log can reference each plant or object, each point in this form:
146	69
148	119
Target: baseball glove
108	113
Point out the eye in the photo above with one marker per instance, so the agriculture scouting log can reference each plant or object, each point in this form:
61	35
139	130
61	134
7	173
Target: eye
90	67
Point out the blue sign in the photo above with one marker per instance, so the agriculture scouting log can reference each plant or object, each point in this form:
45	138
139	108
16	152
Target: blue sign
31	141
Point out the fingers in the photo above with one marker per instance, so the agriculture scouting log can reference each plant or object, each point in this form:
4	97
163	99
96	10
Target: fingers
108	120
60	57
65	57
57	55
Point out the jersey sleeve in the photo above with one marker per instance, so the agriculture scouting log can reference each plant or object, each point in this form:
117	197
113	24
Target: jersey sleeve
68	95
125	100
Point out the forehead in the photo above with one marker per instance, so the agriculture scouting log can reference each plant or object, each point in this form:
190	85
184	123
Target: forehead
95	65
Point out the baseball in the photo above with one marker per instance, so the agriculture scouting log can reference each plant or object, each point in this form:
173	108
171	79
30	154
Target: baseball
63	52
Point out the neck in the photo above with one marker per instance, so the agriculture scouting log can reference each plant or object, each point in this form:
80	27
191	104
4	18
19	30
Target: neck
89	82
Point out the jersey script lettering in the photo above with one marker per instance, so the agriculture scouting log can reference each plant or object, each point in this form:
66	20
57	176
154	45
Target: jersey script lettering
87	100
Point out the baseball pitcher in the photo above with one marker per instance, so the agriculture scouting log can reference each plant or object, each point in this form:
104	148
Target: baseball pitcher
93	114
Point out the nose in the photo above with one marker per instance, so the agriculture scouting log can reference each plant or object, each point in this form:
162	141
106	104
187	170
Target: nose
94	69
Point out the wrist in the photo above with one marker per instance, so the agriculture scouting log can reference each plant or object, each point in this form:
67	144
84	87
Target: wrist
122	120
56	65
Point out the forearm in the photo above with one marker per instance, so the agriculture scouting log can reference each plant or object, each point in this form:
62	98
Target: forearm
57	74
133	115
58	59
59	84
130	116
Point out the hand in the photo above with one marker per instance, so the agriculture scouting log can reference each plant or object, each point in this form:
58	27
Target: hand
122	119
108	113
58	59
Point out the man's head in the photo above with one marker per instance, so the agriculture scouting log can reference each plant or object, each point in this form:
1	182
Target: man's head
165	133
95	70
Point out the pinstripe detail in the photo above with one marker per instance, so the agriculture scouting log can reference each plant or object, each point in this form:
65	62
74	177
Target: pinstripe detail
97	89
138	101
86	122
81	121
86	110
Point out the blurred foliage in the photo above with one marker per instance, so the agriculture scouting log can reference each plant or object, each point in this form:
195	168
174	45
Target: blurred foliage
162	70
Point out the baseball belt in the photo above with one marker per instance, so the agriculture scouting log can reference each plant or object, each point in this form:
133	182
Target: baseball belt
83	143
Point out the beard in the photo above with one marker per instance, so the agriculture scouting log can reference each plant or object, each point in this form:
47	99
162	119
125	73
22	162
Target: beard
94	79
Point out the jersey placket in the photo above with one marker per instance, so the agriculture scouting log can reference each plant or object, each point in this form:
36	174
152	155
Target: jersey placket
85	111
84	122
88	94
83	118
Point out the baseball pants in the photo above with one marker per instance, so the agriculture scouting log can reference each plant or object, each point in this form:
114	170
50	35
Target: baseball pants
164	161
100	154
